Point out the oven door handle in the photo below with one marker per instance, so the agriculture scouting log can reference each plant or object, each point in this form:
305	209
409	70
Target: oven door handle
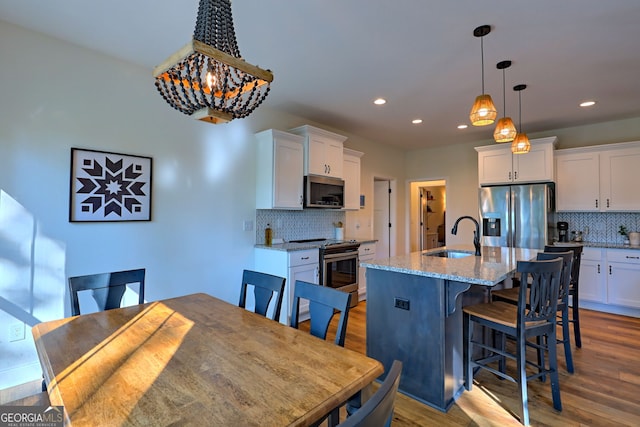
341	255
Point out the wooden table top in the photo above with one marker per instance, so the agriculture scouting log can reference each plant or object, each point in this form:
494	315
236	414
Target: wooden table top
194	360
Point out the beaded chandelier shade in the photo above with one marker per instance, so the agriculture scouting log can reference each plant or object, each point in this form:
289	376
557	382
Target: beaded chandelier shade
505	130
207	78
520	144
483	112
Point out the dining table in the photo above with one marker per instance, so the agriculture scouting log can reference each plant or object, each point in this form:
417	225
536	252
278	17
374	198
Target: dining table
194	360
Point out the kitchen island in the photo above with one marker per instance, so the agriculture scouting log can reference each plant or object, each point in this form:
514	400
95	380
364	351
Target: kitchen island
414	313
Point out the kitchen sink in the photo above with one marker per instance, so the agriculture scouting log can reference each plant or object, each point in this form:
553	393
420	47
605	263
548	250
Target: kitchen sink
449	254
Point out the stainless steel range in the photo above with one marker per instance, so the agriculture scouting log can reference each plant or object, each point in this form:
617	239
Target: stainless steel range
338	265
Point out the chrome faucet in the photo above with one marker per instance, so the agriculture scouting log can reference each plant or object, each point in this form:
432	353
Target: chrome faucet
476	233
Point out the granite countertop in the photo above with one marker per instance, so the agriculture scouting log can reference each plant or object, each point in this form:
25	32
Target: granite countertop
601	245
290	247
495	264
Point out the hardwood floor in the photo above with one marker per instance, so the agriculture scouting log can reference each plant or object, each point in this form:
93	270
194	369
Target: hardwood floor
603	391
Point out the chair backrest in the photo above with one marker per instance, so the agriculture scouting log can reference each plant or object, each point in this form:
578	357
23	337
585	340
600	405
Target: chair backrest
323	302
577	256
565	278
264	286
378	410
107	289
544	284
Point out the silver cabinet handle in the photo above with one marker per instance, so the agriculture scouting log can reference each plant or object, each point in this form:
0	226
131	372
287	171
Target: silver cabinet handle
515	175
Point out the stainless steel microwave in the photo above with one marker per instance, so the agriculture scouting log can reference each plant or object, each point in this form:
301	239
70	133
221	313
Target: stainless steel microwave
323	192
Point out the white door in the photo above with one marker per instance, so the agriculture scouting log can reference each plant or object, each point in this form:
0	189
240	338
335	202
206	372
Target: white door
381	218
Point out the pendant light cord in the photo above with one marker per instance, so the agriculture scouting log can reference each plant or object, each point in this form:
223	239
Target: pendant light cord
504	97
482	60
520	110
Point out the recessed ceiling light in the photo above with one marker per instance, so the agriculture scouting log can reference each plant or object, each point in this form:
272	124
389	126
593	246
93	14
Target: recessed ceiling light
416	121
380	101
587	103
462	126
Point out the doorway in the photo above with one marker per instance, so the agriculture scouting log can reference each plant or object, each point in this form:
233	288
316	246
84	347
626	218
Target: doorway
428	215
383	217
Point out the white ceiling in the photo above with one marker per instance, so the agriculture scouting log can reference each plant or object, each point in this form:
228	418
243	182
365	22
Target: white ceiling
331	58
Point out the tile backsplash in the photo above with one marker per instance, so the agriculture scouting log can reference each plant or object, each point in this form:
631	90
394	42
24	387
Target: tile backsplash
601	227
297	225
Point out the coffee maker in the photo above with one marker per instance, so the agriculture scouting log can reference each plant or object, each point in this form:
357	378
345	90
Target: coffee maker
563	231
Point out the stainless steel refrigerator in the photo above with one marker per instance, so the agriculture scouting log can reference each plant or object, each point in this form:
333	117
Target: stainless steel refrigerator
520	216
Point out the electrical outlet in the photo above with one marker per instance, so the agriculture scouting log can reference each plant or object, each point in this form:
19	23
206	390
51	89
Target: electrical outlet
247	225
401	303
16	332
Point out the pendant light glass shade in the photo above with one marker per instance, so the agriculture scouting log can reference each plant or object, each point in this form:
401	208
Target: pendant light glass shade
505	130
520	144
483	112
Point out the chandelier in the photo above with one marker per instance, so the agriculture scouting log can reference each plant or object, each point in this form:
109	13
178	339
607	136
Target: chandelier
207	78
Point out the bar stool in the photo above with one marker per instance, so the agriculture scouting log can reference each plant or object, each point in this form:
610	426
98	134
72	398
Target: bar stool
573	287
511	296
522	321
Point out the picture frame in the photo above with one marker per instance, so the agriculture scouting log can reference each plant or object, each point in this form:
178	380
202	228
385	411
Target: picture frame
108	187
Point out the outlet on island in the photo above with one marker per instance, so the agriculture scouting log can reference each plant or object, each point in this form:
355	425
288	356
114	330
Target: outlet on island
401	303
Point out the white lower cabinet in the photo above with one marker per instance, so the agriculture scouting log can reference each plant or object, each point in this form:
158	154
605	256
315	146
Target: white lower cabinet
610	280
293	265
623	277
366	253
593	281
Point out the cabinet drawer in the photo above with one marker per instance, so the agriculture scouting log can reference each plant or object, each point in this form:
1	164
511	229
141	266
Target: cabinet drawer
592	254
366	249
308	256
623	255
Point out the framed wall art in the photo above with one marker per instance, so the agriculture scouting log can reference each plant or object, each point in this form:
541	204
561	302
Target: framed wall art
109	187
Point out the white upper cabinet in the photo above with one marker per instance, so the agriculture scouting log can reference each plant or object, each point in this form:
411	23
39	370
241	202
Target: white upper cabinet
351	171
279	165
497	165
599	178
323	151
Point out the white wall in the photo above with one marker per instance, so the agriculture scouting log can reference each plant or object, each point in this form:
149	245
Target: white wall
56	96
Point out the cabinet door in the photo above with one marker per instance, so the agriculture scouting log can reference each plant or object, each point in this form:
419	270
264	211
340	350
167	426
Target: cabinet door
334	158
351	172
534	166
307	273
288	178
578	182
495	166
593	284
623	286
619	178
315	156
366	253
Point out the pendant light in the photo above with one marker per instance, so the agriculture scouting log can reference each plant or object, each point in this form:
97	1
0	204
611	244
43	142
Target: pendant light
208	79
483	111
520	144
505	129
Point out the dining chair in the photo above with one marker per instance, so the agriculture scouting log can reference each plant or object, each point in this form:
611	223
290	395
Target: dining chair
511	296
107	289
264	287
537	318
573	287
323	303
378	410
